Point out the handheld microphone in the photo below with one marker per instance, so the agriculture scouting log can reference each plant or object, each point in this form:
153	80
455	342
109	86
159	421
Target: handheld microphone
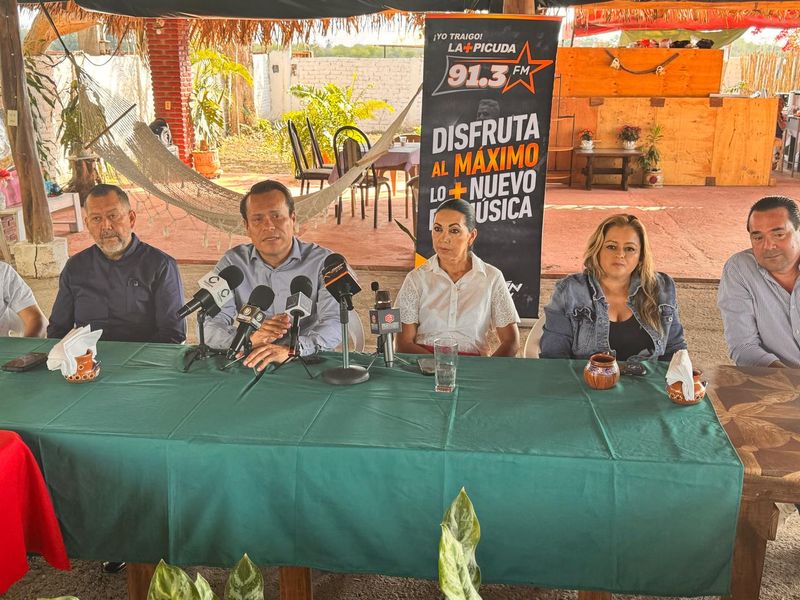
298	305
250	317
215	291
338	279
385	322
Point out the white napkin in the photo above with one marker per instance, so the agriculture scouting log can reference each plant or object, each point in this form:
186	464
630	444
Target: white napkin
680	369
75	343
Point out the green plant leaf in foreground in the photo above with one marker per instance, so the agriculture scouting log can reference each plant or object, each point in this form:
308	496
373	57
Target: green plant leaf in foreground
463	524
455	579
171	583
245	582
204	590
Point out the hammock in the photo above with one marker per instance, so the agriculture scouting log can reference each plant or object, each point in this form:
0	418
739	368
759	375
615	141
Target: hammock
137	154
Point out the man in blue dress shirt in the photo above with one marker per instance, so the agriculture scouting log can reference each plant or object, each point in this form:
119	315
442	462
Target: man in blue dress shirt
274	258
121	285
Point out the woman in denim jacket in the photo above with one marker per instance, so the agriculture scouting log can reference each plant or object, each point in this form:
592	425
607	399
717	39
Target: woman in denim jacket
618	303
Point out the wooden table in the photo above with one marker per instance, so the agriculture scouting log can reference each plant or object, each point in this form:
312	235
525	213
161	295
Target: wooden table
590	170
760	411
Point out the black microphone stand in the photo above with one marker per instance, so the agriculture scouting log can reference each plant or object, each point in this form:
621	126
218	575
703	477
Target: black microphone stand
385	348
201	351
347	374
294	353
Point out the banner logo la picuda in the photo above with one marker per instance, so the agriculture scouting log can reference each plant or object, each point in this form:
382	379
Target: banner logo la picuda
469	74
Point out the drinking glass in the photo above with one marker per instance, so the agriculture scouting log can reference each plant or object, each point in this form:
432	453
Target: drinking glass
445	354
403	140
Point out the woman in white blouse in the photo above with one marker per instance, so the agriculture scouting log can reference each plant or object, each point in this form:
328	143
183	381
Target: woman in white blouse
455	293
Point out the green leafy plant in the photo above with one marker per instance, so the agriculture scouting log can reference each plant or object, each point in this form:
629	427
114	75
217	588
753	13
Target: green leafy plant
211	71
328	108
586	135
651	158
245	582
41	88
70	132
459	574
629	133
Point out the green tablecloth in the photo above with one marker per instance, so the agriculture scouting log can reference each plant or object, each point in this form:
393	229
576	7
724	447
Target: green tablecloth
617	490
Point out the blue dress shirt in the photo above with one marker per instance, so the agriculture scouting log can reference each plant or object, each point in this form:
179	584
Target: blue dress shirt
321	330
133	299
760	318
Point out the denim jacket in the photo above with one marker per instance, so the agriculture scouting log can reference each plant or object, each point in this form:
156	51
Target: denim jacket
577	324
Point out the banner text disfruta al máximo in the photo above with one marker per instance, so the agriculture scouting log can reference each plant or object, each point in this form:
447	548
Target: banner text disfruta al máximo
488	87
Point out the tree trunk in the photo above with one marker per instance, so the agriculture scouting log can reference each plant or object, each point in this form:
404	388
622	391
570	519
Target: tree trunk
38	226
241	109
84	176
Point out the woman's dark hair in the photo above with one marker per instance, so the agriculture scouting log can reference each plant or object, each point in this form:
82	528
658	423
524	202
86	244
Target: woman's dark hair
770	202
462	206
262	187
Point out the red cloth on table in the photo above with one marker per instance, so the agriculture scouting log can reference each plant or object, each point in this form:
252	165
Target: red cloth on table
27	520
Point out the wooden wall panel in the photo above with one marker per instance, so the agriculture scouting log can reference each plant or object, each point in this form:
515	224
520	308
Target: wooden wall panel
587	72
744	139
731	143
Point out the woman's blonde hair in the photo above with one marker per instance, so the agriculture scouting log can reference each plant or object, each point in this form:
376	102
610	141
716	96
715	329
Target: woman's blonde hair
646	300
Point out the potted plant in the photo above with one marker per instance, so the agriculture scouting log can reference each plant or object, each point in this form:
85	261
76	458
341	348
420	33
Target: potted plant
587	139
650	161
210	72
629	134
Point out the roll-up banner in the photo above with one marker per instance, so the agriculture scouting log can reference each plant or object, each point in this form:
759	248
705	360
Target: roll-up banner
487	93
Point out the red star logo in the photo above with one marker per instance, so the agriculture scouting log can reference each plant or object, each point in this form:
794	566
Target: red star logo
525	79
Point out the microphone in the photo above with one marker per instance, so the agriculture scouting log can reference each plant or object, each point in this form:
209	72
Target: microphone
215	291
298	305
338	279
250	317
385	322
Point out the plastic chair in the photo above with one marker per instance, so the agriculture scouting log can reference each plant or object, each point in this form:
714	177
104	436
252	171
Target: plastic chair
350	144
302	172
355	331
533	341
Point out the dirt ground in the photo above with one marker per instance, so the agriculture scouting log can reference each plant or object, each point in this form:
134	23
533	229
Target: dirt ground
701	320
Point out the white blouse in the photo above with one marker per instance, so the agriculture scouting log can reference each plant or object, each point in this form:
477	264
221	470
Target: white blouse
467	310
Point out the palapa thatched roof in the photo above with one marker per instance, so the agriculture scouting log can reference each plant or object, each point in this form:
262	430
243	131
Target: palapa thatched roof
731	14
213	31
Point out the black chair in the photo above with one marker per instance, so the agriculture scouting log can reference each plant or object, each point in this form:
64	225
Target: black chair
350	144
302	172
316	153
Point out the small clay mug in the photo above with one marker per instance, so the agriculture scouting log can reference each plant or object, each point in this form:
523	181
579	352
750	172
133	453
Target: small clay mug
675	390
602	371
88	369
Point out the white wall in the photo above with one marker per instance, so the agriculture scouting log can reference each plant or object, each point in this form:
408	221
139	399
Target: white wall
394	80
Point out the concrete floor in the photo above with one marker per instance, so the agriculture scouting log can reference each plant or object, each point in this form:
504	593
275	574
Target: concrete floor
693	230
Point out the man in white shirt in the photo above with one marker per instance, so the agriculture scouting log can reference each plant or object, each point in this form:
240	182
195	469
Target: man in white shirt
19	313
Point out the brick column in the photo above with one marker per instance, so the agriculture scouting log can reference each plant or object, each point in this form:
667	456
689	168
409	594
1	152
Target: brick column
171	74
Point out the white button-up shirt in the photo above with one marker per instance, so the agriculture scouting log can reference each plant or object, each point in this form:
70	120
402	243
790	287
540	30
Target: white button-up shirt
467	310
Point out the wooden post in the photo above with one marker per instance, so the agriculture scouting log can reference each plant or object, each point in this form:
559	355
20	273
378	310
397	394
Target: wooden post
519	7
139	576
295	583
757	522
38	226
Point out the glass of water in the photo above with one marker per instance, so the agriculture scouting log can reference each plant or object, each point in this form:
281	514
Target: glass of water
445	354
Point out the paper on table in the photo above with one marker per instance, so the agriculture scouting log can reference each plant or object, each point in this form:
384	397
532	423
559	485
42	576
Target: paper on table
680	369
75	343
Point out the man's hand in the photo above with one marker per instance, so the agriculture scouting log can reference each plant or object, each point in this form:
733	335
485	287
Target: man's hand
271	330
265	354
